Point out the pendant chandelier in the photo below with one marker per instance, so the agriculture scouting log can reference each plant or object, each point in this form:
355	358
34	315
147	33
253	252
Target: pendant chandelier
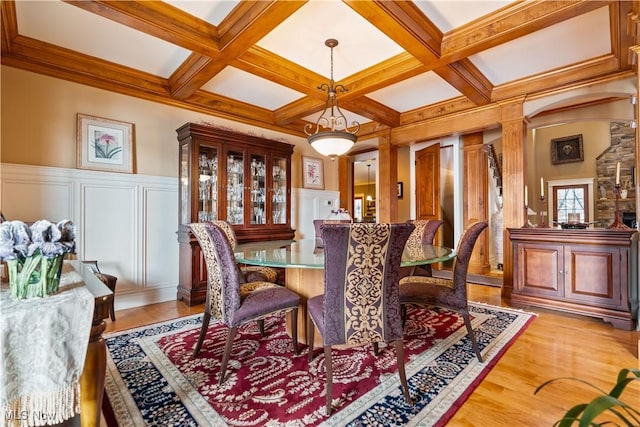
339	138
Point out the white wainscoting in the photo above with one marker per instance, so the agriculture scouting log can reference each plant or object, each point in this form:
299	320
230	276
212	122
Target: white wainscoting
127	222
307	205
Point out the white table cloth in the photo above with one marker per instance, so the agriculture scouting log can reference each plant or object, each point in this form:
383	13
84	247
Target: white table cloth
43	344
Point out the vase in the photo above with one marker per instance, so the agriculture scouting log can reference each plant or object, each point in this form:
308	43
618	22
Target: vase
34	276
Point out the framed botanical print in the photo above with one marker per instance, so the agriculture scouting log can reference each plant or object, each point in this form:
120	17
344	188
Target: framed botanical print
312	173
104	144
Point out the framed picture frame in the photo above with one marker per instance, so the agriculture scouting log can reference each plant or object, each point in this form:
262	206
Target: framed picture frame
312	173
104	144
567	149
400	190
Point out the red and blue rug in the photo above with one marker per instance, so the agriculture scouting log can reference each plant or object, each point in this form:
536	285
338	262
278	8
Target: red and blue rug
153	379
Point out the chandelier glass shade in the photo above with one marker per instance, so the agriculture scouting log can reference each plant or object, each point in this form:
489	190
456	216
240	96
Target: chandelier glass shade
331	135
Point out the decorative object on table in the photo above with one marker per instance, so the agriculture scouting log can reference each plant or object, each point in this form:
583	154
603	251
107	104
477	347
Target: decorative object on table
338	138
400	190
104	144
440	362
567	149
617	222
624	190
34	255
312	173
587	413
341	214
543	207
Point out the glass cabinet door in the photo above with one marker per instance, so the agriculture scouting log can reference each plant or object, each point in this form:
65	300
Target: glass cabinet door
279	198
207	184
185	188
235	187
258	190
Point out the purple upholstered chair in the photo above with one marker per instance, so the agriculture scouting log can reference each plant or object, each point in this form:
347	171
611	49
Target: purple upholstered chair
424	233
360	304
252	273
230	299
448	293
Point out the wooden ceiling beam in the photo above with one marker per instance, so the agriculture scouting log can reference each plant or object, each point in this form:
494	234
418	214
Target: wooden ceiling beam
9	25
509	23
158	19
236	37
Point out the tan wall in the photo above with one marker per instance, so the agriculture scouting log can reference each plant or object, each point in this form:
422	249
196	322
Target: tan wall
404	204
39	126
596	139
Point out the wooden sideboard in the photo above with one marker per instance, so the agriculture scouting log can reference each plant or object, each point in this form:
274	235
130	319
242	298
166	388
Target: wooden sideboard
592	272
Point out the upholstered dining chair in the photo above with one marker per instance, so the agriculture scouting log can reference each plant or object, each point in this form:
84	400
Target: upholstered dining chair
252	273
108	280
232	300
317	226
448	293
360	303
423	234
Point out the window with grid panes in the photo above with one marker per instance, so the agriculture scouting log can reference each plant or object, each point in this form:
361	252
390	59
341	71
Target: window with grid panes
570	199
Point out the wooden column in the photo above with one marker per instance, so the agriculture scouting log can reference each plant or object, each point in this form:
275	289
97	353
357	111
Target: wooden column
388	180
476	191
345	184
514	172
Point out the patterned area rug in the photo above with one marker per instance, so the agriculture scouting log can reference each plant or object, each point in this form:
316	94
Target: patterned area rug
152	378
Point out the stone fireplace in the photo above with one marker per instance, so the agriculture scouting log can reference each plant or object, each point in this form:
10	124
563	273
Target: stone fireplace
622	149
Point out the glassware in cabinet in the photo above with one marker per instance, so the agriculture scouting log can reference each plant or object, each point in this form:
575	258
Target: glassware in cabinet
258	190
235	186
280	190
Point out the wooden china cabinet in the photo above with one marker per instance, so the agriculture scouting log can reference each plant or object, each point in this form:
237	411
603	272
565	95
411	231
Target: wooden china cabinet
243	179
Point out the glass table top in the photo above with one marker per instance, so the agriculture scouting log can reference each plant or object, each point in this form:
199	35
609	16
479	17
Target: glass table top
304	254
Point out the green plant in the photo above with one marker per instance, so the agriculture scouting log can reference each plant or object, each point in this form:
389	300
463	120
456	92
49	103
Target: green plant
585	413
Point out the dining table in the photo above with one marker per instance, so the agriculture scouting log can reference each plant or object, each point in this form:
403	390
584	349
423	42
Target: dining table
303	261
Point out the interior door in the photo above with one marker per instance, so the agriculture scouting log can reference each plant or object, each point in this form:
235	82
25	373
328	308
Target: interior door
428	183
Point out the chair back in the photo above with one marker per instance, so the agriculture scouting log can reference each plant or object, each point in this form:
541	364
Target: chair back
228	231
362	270
423	234
463	255
223	274
317	226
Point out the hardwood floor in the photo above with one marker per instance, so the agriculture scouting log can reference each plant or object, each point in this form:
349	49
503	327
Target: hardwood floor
554	345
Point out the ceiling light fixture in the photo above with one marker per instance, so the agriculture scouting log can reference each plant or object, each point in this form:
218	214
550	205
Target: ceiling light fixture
339	138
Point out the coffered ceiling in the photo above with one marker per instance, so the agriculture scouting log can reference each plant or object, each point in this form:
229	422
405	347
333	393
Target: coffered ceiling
261	62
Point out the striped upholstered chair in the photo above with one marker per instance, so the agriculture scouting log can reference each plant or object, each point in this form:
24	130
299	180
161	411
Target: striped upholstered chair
360	303
424	233
448	293
233	301
252	273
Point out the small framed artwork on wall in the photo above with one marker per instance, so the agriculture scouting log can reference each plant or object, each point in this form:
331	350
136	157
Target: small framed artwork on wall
312	173
104	144
567	149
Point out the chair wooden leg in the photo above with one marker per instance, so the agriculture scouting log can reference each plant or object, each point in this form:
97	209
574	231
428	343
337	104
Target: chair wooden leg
227	353
310	337
472	337
203	332
401	371
403	314
376	348
294	330
112	309
328	365
260	323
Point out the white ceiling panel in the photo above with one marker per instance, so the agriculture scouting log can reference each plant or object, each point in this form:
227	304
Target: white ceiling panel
301	38
450	14
559	45
211	11
242	86
67	26
415	92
